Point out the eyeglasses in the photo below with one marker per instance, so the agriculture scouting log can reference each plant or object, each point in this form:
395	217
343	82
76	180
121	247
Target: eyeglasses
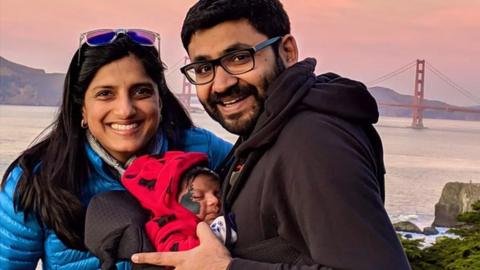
235	63
102	37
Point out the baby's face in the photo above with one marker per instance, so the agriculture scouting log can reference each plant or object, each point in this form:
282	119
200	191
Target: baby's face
201	197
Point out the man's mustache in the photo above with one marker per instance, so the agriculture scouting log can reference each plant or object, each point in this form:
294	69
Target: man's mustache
232	92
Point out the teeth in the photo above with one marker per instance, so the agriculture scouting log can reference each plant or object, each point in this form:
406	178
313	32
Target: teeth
230	102
124	127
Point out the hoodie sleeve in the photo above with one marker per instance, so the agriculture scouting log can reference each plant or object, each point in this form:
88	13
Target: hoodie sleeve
327	197
21	241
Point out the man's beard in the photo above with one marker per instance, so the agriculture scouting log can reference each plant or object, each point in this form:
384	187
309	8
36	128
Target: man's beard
236	123
242	123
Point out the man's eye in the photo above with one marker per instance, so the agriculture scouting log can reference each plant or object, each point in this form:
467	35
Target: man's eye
239	58
203	69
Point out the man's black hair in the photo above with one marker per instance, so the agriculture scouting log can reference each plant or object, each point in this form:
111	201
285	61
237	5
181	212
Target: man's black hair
266	16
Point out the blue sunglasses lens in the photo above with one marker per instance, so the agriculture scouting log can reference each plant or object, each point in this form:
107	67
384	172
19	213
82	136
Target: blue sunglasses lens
101	37
142	37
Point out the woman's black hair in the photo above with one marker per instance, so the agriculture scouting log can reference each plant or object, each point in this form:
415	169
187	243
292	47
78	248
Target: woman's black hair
55	169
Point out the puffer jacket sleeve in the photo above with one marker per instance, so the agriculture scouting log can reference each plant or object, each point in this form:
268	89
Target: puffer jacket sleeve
202	140
218	150
21	241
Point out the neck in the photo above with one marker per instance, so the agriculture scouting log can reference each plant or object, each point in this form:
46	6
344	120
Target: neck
119	166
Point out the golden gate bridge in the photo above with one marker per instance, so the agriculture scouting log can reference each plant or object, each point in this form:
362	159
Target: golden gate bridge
417	104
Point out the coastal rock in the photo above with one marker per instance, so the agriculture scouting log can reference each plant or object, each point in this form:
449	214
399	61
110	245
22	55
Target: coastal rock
406	226
430	231
456	198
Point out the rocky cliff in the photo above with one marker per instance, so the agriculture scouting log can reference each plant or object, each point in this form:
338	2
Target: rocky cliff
456	198
22	85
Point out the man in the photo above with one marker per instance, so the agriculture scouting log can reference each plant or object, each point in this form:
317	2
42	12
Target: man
306	188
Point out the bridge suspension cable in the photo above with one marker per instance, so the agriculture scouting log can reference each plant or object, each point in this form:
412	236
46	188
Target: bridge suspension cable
175	67
391	74
457	87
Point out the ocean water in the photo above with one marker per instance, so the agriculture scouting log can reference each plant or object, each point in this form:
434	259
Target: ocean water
418	162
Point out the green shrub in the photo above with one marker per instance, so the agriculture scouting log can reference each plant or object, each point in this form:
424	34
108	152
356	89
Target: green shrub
449	253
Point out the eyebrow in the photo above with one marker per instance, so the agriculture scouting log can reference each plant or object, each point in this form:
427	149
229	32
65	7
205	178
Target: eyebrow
149	84
109	86
102	86
231	48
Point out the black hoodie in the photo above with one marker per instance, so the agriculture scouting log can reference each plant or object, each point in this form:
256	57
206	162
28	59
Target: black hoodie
307	186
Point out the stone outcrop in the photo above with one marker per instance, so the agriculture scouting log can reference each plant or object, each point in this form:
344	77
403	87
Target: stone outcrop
430	231
406	226
456	198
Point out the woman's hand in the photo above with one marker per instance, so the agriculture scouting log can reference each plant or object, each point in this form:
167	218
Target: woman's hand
209	255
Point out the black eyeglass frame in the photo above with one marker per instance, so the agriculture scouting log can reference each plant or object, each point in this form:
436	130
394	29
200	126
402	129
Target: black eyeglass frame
218	61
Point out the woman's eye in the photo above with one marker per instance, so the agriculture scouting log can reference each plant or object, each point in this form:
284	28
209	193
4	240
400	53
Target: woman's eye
144	92
103	93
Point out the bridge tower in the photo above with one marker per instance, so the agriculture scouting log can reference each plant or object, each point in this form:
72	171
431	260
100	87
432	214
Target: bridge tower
417	121
186	90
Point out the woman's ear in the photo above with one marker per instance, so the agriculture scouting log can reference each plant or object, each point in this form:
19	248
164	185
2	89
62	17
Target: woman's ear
288	50
83	111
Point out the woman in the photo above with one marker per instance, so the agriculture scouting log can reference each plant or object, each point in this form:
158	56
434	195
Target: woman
116	105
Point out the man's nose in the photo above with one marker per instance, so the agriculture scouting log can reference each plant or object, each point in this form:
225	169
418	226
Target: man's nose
223	80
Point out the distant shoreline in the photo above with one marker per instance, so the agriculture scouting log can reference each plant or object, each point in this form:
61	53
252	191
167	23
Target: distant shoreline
26	105
381	115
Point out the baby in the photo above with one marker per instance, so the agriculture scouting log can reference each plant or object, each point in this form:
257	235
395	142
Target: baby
178	191
171	194
199	193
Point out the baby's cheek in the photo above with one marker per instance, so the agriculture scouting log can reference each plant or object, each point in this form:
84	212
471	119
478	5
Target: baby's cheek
202	210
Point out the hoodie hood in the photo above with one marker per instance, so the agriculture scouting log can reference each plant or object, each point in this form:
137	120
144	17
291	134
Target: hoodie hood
297	89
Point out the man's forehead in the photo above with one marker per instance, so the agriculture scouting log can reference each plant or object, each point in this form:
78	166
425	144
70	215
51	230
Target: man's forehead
215	41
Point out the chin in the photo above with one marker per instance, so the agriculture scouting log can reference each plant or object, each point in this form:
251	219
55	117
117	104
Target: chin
239	126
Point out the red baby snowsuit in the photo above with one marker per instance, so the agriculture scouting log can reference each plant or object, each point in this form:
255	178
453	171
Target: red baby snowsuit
154	182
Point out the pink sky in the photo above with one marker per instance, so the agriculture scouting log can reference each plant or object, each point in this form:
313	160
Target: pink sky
361	39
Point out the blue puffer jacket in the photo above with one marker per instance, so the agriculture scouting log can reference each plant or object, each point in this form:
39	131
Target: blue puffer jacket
24	242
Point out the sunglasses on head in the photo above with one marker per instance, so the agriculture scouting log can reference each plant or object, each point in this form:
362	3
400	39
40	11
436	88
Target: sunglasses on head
102	37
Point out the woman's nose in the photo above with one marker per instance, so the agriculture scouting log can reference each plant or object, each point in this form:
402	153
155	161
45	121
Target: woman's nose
125	107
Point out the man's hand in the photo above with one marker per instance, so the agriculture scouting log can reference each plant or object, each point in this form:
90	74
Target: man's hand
209	255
